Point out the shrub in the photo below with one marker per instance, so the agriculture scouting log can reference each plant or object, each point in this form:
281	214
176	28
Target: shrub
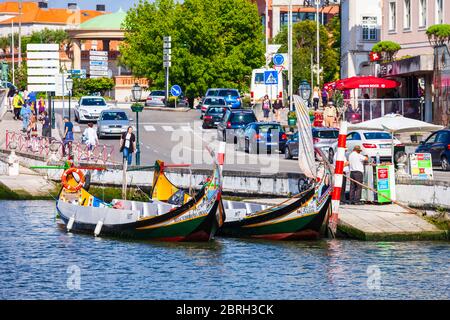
387	49
438	34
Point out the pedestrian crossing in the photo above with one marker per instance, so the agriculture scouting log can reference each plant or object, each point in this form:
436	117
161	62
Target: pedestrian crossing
183	128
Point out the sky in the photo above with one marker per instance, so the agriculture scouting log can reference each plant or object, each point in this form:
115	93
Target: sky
111	5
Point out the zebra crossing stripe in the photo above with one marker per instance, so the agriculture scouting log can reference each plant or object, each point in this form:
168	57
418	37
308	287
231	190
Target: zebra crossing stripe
168	128
149	128
186	128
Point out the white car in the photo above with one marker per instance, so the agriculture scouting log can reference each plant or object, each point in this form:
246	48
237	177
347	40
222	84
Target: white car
89	108
156	99
372	143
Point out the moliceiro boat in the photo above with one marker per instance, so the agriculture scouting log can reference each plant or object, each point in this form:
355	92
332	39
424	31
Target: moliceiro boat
196	219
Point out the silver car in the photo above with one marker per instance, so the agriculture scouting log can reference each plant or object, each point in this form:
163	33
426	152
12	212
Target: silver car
89	108
156	99
112	123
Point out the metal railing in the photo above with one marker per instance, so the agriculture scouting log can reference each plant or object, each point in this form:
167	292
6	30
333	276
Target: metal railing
51	148
360	110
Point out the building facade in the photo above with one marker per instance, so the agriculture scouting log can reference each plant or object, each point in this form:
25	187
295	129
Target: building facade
360	31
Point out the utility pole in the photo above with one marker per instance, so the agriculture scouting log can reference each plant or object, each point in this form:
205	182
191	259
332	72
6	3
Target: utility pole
318	43
19	61
266	14
167	56
13	53
290	71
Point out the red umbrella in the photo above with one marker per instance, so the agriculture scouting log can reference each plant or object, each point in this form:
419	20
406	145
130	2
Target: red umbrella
369	82
330	85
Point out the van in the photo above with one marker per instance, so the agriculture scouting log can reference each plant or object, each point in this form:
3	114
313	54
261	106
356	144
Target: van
258	89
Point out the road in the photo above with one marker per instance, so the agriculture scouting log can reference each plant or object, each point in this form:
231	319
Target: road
178	137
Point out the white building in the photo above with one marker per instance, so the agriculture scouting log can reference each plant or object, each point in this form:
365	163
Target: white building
360	30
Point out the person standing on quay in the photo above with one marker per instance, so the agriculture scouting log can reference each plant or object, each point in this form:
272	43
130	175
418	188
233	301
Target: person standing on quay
128	145
68	136
329	115
91	137
46	126
25	113
356	165
17	104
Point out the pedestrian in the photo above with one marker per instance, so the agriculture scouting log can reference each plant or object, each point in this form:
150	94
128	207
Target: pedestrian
329	114
128	144
266	106
324	97
17	104
25	113
356	166
41	106
11	94
277	107
46	126
91	138
316	98
68	137
32	132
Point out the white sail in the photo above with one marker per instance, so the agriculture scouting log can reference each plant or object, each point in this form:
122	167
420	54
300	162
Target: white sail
306	159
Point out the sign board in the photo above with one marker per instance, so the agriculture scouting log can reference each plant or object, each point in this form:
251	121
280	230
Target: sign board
167	64
78	73
421	166
175	90
278	59
42	67
385	182
270	77
98	53
98	58
374	56
60	81
98	63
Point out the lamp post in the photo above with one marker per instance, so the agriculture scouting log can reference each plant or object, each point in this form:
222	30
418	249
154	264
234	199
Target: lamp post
69	87
136	92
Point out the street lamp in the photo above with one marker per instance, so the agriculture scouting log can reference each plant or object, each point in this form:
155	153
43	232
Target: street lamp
304	90
136	92
69	87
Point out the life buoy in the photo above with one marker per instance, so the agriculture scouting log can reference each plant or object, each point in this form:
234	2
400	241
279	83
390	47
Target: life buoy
66	184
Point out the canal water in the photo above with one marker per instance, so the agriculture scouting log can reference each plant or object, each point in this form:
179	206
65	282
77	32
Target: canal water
38	260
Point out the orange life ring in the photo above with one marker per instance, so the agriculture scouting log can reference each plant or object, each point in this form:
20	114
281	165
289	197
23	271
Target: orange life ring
66	184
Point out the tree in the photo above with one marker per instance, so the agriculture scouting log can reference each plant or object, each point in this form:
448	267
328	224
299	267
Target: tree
387	49
304	44
83	87
438	34
214	44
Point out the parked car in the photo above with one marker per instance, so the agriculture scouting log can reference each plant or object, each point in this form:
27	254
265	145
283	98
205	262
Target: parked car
257	136
89	108
372	143
323	138
233	120
213	116
231	96
112	123
212	102
438	145
156	98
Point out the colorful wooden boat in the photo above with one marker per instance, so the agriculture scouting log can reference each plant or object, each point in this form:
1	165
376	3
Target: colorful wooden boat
196	219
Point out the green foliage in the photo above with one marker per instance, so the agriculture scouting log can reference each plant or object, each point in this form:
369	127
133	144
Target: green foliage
83	87
438	34
214	43
387	49
43	36
304	44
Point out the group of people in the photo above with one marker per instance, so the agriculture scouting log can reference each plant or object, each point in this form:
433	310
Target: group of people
329	116
30	111
275	108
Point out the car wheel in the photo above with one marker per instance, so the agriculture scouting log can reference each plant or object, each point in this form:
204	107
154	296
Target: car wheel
287	153
246	150
204	126
252	149
77	120
445	165
224	136
330	156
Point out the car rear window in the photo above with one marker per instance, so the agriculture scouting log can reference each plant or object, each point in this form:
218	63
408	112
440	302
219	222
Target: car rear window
158	93
215	110
93	102
212	93
214	102
270	127
326	134
109	116
231	93
377	135
242	117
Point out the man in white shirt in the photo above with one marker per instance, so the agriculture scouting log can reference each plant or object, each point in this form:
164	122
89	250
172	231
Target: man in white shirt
356	167
90	134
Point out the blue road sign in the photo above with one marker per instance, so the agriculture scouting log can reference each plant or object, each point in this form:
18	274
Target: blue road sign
175	90
278	59
270	77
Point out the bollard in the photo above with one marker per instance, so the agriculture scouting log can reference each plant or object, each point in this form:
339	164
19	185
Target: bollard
13	164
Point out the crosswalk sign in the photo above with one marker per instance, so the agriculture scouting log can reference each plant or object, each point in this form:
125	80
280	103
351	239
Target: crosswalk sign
270	77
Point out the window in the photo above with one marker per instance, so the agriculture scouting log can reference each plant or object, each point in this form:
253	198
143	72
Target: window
422	13
439	11
369	28
392	16
377	136
259	78
407	14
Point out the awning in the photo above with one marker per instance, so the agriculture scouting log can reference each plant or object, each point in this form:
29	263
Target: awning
369	82
330	85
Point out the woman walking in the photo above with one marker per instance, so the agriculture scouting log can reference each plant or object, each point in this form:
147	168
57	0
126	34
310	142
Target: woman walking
316	98
68	136
41	106
128	145
266	106
25	113
32	132
90	134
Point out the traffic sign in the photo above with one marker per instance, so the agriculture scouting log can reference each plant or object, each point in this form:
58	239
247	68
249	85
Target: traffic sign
98	53
42	67
270	77
278	59
175	90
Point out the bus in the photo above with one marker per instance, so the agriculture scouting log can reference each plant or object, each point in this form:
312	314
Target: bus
258	89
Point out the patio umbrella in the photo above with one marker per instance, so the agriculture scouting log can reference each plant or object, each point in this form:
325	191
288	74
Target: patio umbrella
370	82
395	123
